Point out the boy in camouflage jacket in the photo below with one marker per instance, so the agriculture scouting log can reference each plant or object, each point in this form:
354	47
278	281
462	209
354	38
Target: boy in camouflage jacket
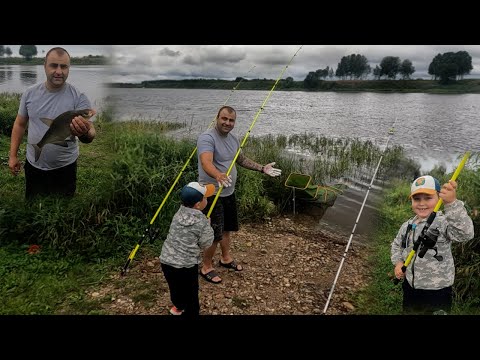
189	232
429	279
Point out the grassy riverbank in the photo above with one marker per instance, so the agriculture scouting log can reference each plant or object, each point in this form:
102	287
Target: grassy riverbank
123	176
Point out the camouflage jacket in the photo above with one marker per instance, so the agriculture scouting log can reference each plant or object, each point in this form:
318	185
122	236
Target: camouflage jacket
189	232
429	272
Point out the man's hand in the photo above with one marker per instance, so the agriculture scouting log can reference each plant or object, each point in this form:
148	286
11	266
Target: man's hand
270	170
14	165
224	179
80	126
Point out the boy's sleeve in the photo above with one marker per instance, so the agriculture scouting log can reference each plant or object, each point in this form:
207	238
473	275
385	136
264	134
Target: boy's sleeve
206	237
396	249
460	225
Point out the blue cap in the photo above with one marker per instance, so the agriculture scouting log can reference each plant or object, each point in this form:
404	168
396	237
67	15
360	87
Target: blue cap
194	192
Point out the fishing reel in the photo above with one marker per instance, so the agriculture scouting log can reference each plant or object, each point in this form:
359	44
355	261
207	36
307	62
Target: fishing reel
427	242
151	234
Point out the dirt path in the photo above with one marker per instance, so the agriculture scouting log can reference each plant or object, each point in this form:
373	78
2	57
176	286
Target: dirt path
289	269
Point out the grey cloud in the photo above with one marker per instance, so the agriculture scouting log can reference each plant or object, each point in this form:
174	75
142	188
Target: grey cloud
229	62
167	52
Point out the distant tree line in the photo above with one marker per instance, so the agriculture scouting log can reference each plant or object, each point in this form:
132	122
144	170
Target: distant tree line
28	53
5	51
444	67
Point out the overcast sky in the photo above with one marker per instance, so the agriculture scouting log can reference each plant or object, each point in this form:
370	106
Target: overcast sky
136	63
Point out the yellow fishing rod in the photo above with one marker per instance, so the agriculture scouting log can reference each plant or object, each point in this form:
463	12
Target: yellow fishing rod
249	130
423	238
147	230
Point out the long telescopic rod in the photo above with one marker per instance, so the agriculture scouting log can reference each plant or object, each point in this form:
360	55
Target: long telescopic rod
249	130
430	219
147	230
390	133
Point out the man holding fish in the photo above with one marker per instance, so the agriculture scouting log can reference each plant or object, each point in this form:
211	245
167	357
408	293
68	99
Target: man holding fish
56	113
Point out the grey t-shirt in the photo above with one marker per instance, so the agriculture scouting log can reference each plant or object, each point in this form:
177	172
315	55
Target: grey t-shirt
224	149
38	102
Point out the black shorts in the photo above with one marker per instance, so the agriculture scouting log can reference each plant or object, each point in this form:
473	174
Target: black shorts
61	181
426	301
224	215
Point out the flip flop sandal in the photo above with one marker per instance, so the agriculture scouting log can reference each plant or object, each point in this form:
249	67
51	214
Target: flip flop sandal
231	265
209	276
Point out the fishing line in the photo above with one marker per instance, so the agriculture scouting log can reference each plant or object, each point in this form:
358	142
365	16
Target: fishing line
390	134
147	230
249	130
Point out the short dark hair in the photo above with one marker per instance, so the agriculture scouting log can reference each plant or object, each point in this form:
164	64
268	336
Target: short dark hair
59	50
229	109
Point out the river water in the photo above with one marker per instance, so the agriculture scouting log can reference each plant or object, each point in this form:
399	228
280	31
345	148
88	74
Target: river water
433	129
89	79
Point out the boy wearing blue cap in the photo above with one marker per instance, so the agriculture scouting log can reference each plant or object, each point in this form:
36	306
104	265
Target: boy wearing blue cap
189	232
429	278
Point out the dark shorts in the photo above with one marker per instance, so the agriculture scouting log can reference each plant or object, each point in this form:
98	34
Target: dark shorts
419	301
61	181
224	215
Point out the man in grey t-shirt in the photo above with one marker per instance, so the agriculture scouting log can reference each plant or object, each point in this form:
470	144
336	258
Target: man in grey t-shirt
217	148
51	168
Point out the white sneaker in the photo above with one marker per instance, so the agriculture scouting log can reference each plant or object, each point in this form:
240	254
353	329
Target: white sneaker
175	311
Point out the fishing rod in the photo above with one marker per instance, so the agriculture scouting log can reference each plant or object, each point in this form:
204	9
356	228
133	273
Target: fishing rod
147	230
390	134
249	130
425	239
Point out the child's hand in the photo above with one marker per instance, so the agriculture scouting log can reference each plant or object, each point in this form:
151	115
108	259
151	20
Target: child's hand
448	192
399	274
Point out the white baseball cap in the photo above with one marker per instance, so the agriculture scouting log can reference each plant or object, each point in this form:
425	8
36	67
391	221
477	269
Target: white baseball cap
425	185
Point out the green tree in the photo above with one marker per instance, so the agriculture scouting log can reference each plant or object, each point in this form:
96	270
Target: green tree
28	51
376	72
406	69
390	66
2	50
289	82
331	73
353	66
311	80
448	66
464	62
8	51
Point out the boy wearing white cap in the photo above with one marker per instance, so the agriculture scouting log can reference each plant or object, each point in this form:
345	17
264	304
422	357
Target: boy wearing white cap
189	232
429	278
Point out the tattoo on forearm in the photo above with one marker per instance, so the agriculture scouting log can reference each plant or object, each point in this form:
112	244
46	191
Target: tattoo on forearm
247	163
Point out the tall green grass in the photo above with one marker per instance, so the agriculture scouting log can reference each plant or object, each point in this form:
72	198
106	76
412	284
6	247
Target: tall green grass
9	103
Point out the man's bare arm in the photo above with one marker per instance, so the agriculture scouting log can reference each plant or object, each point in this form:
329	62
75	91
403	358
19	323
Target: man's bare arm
18	131
247	163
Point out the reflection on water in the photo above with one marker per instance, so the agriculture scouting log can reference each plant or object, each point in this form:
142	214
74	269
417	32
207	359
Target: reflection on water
5	74
28	77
